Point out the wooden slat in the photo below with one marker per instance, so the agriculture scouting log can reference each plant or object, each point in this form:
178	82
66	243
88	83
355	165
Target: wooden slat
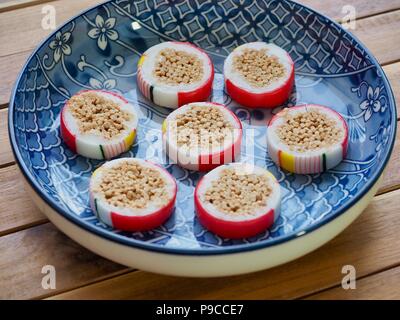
10	67
25	214
391	179
31	32
381	35
382	286
381	39
370	244
374	29
23	254
332	9
393	73
363	8
17	209
8	5
6	156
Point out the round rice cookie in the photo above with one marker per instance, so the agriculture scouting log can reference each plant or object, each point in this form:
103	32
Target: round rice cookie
238	200
259	75
132	194
98	124
307	139
172	74
202	135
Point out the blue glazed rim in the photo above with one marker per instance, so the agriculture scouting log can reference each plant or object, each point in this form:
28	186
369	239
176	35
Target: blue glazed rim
196	252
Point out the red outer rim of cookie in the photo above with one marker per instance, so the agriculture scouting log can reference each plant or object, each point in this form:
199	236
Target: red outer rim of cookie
66	134
268	100
205	161
232	229
199	94
68	137
148	221
143	223
345	141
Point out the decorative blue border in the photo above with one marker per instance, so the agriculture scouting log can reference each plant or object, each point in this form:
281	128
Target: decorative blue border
198	252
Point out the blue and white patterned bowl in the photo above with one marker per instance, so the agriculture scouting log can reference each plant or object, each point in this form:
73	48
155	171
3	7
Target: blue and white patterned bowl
100	49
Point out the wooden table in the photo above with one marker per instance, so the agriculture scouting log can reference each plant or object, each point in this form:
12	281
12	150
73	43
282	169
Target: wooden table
28	241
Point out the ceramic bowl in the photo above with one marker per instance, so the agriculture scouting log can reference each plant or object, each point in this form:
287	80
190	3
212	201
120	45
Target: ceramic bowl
100	48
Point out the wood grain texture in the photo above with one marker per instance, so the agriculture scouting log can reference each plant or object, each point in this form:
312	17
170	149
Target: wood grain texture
332	9
385	32
6	156
364	8
23	255
8	5
382	286
13	195
391	178
392	71
381	35
362	245
10	67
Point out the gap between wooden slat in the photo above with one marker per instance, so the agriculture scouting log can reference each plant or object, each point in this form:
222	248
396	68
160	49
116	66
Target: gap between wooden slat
373	14
45	244
364	8
382	286
291	280
26	252
7	164
19	4
308	296
101	279
358	279
11	65
24	227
